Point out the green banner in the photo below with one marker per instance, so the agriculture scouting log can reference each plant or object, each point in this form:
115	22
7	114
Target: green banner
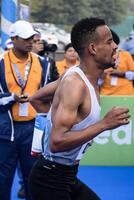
113	147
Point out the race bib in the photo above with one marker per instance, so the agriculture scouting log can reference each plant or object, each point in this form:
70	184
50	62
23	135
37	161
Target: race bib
39	128
82	151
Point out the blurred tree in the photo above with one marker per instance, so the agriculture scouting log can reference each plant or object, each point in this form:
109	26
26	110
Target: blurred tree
112	11
68	12
59	11
26	2
48	11
131	7
76	10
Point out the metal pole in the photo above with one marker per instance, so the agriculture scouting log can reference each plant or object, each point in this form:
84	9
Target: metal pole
18	13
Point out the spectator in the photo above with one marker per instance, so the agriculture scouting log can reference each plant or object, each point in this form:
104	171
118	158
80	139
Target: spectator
119	81
21	191
128	44
39	48
37	43
70	59
21	74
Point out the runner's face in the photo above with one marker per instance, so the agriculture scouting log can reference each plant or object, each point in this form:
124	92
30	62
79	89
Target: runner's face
105	48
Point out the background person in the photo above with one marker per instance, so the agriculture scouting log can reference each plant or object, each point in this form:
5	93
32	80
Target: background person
73	120
22	73
119	80
128	44
71	58
37	43
21	191
39	46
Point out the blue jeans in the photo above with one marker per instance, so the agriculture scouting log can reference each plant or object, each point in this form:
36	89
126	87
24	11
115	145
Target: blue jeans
20	176
11	153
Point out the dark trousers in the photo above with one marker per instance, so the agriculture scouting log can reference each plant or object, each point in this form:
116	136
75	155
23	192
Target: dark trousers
52	181
11	153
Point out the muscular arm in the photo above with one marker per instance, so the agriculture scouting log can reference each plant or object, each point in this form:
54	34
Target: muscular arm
72	94
42	99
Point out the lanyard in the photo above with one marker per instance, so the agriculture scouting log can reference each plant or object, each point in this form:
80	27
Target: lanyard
22	83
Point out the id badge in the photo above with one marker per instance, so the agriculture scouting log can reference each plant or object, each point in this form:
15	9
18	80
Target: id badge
114	80
23	109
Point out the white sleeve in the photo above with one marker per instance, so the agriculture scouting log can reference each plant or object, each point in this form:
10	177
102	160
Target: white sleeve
6	100
129	75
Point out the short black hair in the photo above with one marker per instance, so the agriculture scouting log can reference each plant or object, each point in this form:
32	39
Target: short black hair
68	46
116	38
37	32
83	32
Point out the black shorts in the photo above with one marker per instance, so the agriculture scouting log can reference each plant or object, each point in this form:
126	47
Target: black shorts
52	181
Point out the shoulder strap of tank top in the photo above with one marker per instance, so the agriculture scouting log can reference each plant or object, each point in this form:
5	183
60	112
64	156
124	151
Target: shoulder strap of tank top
83	76
89	85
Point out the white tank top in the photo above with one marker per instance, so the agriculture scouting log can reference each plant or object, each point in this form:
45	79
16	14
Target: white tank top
73	156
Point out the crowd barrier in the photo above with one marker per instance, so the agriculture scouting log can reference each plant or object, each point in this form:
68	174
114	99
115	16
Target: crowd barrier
113	147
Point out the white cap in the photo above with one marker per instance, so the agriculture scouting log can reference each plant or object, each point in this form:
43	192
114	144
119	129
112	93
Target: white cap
21	28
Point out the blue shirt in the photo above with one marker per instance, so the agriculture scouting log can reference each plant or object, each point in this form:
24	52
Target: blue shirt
128	45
